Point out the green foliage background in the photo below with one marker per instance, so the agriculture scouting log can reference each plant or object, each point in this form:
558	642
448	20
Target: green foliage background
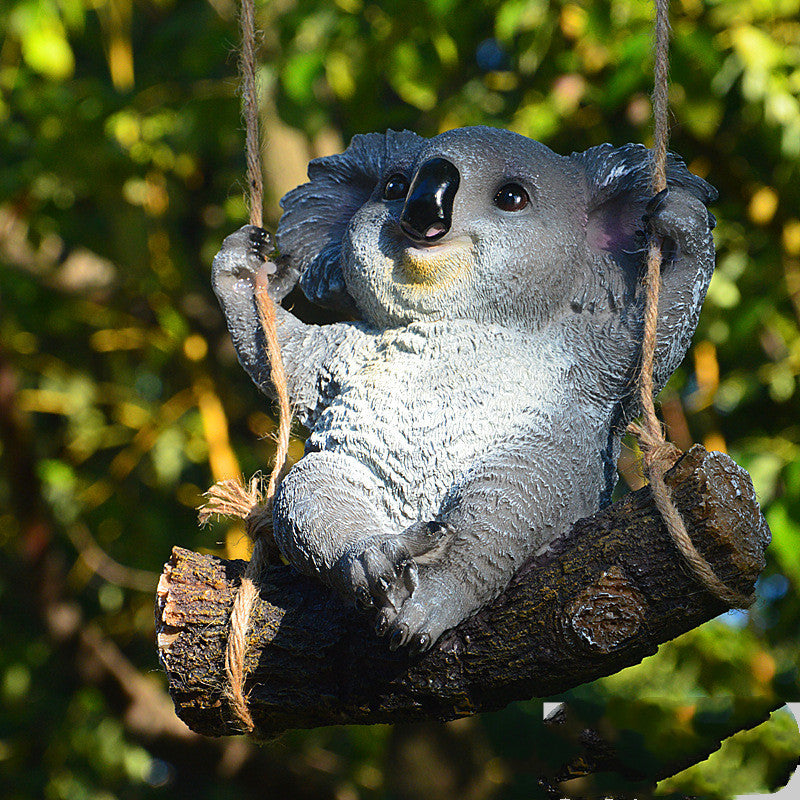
120	398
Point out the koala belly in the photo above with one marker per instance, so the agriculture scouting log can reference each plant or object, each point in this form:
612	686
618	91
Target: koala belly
427	401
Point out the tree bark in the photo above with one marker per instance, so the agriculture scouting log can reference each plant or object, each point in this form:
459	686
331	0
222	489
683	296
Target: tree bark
601	599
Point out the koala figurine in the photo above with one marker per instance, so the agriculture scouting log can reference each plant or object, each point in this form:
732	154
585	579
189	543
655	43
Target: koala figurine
471	411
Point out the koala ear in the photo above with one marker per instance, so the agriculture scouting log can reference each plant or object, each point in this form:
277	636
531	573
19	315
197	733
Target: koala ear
618	181
316	214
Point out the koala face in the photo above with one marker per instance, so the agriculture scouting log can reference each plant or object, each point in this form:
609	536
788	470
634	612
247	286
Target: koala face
480	224
475	223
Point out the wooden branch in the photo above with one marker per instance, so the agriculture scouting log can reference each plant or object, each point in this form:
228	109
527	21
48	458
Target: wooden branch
602	599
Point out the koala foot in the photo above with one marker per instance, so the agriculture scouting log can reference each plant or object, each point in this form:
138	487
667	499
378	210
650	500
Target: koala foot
246	255
424	617
680	217
379	572
326	524
383	571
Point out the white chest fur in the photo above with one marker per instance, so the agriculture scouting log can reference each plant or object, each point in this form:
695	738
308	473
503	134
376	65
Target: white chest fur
418	405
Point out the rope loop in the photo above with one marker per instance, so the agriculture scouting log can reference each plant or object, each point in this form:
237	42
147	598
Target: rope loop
252	503
658	454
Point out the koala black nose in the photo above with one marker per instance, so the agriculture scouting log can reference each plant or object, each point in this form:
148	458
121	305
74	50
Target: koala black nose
428	210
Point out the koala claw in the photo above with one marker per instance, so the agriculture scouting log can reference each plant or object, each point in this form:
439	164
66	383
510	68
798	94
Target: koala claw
436	606
411	624
259	247
399	637
382	623
378	573
248	252
251	247
411	574
678	216
363	598
420	643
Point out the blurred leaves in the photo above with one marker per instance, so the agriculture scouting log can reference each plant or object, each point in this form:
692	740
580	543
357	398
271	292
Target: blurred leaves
121	398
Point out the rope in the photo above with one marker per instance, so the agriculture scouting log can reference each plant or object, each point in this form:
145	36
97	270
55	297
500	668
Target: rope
266	312
247	72
652	280
251	504
659	455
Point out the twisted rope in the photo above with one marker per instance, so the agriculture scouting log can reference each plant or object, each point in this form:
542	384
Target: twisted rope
251	503
247	72
659	455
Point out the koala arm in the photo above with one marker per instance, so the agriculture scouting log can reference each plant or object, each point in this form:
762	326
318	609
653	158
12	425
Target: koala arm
304	348
683	225
608	339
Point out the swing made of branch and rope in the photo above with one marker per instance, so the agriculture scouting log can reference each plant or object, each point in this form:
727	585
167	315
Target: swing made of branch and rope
253	504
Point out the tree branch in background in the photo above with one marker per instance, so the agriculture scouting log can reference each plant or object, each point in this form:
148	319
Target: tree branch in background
588	755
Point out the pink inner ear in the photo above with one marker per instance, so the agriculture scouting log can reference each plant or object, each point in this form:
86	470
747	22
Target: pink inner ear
612	226
598	238
610	236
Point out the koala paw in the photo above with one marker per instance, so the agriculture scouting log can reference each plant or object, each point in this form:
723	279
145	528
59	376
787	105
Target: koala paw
247	254
680	217
423	617
381	572
378	572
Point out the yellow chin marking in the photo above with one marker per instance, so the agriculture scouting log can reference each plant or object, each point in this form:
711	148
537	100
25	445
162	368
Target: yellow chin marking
434	267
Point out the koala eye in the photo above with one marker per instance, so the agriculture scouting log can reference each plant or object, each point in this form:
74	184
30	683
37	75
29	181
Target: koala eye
396	187
512	197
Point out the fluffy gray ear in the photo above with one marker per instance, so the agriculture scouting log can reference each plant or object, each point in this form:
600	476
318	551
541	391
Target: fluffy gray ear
618	180
316	214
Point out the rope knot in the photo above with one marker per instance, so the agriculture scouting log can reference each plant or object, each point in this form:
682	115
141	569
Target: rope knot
258	522
657	453
231	498
662	457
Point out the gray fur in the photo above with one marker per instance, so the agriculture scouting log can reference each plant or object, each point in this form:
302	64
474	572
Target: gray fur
473	410
339	186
